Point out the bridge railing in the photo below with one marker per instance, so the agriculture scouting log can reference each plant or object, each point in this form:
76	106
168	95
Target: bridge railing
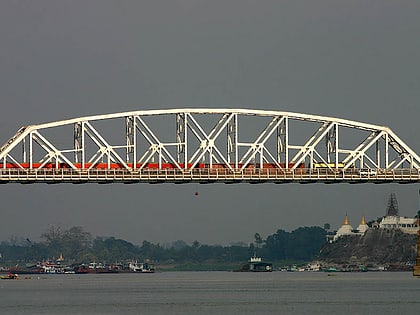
208	175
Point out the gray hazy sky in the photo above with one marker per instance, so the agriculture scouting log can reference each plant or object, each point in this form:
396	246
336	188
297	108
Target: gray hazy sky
357	60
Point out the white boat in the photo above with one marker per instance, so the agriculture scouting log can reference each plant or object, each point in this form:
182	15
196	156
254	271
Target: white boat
141	267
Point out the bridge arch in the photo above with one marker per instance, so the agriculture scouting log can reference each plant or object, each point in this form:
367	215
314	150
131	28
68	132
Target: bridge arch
239	143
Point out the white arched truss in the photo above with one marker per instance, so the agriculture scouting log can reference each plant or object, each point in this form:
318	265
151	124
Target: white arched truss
228	145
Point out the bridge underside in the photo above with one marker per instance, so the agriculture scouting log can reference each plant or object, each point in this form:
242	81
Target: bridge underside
207	176
207	145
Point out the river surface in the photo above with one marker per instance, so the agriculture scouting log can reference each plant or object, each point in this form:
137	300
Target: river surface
213	293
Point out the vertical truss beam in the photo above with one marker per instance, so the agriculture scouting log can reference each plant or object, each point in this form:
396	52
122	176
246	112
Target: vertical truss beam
283	142
130	140
232	141
79	143
182	138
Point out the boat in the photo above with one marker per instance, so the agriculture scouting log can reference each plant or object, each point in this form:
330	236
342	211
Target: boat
10	276
256	264
26	271
94	267
144	267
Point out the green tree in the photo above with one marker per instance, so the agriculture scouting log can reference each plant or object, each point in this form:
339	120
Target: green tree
301	244
276	245
111	249
258	244
72	243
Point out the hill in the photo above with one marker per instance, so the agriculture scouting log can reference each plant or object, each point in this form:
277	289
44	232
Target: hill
377	247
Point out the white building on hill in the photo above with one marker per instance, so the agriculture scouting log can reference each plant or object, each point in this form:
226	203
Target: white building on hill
392	220
363	227
347	229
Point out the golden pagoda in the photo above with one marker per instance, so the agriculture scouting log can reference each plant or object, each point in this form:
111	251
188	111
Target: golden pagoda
345	229
363	227
346	220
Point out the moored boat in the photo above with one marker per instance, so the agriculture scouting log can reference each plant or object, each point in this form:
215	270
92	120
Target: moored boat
10	276
256	264
141	267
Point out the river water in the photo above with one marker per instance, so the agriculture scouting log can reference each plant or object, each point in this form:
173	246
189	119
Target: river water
213	293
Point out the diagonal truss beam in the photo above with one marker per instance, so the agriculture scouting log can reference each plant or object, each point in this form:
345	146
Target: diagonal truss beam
208	141
259	144
308	148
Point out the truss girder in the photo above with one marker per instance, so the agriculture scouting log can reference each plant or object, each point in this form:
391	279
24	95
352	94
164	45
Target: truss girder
258	146
156	146
227	144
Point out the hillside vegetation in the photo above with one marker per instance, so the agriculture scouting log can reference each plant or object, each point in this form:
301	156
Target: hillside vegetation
376	247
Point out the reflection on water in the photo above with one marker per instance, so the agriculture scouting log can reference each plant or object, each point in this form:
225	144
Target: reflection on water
213	293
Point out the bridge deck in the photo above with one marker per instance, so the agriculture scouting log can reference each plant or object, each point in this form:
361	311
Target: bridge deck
51	176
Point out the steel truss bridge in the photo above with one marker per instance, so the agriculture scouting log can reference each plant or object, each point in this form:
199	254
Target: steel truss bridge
206	146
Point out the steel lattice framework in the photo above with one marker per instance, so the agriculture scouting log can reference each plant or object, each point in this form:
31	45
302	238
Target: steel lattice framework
207	145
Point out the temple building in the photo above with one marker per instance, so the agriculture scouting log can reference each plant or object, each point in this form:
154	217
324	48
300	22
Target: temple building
363	227
347	229
392	219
